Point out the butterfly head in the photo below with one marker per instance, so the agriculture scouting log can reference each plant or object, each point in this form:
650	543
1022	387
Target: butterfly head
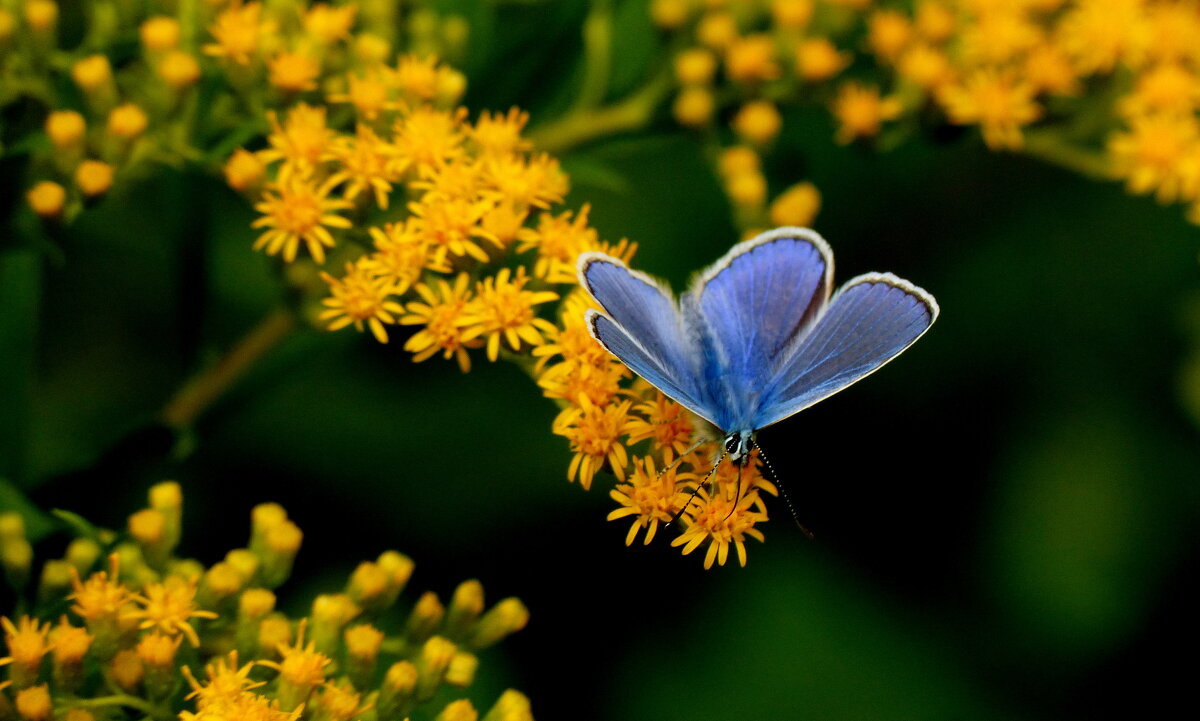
738	446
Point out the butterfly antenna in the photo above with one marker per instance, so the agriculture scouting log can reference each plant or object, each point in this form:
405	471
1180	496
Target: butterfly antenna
783	489
697	490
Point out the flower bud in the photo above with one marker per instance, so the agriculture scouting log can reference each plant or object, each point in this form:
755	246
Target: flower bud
94	177
33	703
432	663
465	606
425	618
459	710
330	614
506	617
47	199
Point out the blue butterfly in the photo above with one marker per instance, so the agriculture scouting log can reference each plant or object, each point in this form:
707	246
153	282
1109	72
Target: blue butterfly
757	338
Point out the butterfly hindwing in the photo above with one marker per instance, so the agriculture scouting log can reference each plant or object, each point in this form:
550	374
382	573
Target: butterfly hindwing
867	323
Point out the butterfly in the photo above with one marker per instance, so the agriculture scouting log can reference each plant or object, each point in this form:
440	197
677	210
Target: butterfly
758	337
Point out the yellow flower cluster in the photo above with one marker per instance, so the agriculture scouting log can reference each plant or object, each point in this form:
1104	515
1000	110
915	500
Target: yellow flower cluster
149	625
202	74
1113	85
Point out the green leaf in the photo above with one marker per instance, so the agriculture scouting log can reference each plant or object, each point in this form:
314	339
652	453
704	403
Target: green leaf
37	522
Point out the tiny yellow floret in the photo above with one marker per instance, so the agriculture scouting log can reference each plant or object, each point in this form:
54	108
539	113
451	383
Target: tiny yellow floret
46	198
94	177
65	128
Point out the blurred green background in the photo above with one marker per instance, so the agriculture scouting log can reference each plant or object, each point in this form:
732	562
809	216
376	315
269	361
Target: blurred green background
1004	517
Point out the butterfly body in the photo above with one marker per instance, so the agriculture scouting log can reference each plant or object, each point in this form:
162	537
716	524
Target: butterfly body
759	336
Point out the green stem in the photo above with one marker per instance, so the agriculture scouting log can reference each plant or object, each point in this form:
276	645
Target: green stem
581	126
126	700
1049	147
191	400
597	55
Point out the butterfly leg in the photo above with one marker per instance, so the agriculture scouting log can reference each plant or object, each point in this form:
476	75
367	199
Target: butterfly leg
737	498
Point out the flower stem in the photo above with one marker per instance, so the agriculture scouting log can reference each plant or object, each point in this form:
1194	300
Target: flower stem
584	125
1050	147
195	396
597	55
141	704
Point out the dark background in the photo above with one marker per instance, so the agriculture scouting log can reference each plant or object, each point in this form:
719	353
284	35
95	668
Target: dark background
1004	517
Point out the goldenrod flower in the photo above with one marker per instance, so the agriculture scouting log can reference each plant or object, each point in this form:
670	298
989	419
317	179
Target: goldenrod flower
999	35
450	228
751	59
796	206
27	645
34	704
179	69
888	33
94	177
717	29
299	210
666	422
594	433
294	72
401	254
65	128
652	497
327	24
717	520
670	14
41	15
127	121
792	14
366	162
504	312
925	66
416	76
47	198
1048	69
861	112
758	122
92	73
1097	33
1168	88
1151	154
237	30
427	137
226	680
536	181
445	314
558	240
500	134
360	297
695	66
368	93
748	191
244	171
159	33
169	607
1170	31
301	669
302	142
818	59
997	102
934	21
738	159
694	107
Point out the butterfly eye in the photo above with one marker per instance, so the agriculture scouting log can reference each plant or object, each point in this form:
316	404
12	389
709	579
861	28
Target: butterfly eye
731	444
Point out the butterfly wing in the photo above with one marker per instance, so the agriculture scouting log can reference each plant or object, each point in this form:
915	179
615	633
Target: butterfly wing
749	306
642	326
870	321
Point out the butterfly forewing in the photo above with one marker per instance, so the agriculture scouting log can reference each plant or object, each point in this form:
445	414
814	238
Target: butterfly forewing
867	323
749	306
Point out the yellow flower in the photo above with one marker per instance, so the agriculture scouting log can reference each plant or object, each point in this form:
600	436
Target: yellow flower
298	210
1171	32
1151	154
294	72
237	31
574	344
65	128
159	33
357	297
27	645
650	496
328	25
758	122
1098	33
599	381
670	14
738	159
934	21
796	206
1168	87
102	596
888	33
594	433
244	170
792	14
997	102
751	59
301	669
47	198
694	107
179	69
226	681
537	181
92	73
368	93
695	66
558	240
94	177
127	121
722	522
445	315
717	29
818	59
401	254
927	67
34	704
302	142
504	312
366	162
450	227
169	607
427	137
417	77
999	35
1048	69
496	134
664	421
861	112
